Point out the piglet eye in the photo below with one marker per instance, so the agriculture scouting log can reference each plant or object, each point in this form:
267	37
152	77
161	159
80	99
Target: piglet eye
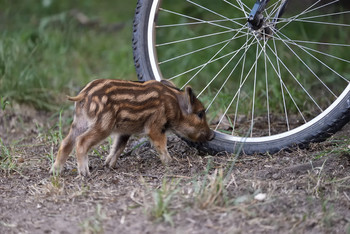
201	114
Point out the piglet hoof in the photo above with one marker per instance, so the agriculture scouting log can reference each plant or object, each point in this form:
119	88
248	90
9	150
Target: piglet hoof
84	173
84	170
110	162
166	160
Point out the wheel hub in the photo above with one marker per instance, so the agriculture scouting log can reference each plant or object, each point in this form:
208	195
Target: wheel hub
258	24
256	18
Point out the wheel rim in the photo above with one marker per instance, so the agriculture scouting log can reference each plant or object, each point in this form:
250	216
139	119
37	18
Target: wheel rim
307	53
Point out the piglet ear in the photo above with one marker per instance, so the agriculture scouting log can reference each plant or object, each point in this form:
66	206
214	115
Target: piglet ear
190	97
186	100
190	94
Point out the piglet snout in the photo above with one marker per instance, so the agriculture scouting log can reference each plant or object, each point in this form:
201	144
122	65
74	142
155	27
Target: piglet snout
211	135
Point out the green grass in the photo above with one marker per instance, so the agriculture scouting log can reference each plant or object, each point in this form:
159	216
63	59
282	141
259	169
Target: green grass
3	103
7	160
160	209
340	147
94	223
53	133
211	191
45	53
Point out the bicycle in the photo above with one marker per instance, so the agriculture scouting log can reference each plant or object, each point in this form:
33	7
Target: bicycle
273	73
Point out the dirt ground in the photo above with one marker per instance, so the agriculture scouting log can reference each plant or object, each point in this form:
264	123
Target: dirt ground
303	191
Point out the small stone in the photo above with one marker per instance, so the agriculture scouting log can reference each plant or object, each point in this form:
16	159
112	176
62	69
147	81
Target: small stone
260	196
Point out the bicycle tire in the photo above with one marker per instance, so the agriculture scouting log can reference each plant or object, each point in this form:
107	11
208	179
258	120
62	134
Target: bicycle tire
318	129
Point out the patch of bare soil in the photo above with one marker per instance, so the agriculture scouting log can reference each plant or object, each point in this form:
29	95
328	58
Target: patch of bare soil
289	192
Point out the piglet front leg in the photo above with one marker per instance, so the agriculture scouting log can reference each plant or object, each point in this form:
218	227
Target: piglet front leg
159	141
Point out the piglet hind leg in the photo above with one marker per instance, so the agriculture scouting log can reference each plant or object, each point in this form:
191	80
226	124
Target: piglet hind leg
65	149
84	143
159	141
118	146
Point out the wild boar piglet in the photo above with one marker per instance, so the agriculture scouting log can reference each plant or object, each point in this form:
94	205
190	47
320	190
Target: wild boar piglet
122	108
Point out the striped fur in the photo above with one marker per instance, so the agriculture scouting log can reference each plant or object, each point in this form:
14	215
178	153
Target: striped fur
123	108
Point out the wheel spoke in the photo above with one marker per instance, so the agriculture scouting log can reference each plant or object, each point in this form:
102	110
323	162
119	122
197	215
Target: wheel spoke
324	64
201	22
308	10
244	5
241	8
254	89
325	15
267	91
274	9
293	100
317	8
302	61
203	64
223	67
320	52
198	37
319	42
291	19
223	85
211	59
278	72
215	13
296	80
196	19
283	84
317	22
238	91
198	50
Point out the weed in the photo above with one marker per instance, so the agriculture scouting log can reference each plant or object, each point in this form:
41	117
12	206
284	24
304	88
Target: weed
55	181
319	180
103	148
211	191
60	127
348	228
54	133
327	214
94	224
341	147
3	103
51	157
160	209
7	162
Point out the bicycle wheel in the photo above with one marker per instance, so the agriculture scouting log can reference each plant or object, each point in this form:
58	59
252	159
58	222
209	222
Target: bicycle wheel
279	83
